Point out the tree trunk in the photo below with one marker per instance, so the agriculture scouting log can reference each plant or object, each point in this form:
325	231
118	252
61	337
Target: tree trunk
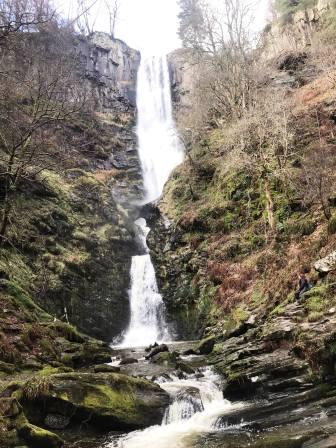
5	218
269	204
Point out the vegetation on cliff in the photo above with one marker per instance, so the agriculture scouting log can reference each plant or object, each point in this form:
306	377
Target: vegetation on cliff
254	202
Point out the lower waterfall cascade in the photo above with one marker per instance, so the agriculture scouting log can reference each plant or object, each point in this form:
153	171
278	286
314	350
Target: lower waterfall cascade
147	323
196	407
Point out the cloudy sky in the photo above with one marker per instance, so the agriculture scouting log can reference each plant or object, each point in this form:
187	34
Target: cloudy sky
148	25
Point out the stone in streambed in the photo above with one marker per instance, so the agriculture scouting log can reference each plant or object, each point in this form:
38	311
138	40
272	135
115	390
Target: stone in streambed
165	359
151	347
158	349
127	361
109	401
193	396
186	368
206	346
189	352
105	368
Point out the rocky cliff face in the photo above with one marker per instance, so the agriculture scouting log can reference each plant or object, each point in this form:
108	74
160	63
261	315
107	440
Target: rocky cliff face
111	66
76	245
294	31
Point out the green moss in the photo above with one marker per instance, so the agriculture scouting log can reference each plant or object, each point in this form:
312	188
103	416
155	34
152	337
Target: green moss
68	331
54	182
315	303
39	438
239	314
102	396
332	224
315	316
280	309
23	299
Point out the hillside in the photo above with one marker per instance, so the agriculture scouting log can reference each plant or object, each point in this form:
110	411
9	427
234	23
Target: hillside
254	204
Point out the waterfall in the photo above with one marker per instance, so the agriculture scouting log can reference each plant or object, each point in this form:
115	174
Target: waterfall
186	418
147	308
160	151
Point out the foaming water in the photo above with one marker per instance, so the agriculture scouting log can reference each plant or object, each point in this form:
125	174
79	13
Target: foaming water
177	431
148	322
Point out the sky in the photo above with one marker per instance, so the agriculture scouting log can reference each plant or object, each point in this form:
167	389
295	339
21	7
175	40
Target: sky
149	25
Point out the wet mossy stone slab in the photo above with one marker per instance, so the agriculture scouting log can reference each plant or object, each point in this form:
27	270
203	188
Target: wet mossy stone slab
206	346
108	401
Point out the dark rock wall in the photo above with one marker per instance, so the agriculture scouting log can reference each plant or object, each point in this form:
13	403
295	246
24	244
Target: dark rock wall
112	67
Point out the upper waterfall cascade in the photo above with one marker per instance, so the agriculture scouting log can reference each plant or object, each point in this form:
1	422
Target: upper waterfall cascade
160	151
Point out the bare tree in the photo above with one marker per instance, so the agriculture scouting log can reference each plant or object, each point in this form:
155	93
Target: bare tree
113	7
84	19
39	89
23	15
219	36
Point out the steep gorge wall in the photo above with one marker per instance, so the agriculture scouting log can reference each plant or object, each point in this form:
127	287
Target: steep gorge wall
74	225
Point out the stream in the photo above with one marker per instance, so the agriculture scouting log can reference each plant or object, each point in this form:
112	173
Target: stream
197	402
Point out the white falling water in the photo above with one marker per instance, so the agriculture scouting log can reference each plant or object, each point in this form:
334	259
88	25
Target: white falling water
160	152
177	431
147	308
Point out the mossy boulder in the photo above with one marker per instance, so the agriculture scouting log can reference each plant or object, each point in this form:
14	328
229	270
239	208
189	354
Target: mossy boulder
15	430
206	346
109	401
39	438
105	368
165	359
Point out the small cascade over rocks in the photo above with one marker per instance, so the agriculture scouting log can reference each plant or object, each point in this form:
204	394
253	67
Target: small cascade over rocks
196	408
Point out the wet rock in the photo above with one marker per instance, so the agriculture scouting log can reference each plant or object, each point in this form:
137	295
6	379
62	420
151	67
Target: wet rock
105	368
126	361
151	347
186	368
189	352
181	375
56	421
188	402
158	349
326	264
191	395
164	358
108	401
206	346
39	438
